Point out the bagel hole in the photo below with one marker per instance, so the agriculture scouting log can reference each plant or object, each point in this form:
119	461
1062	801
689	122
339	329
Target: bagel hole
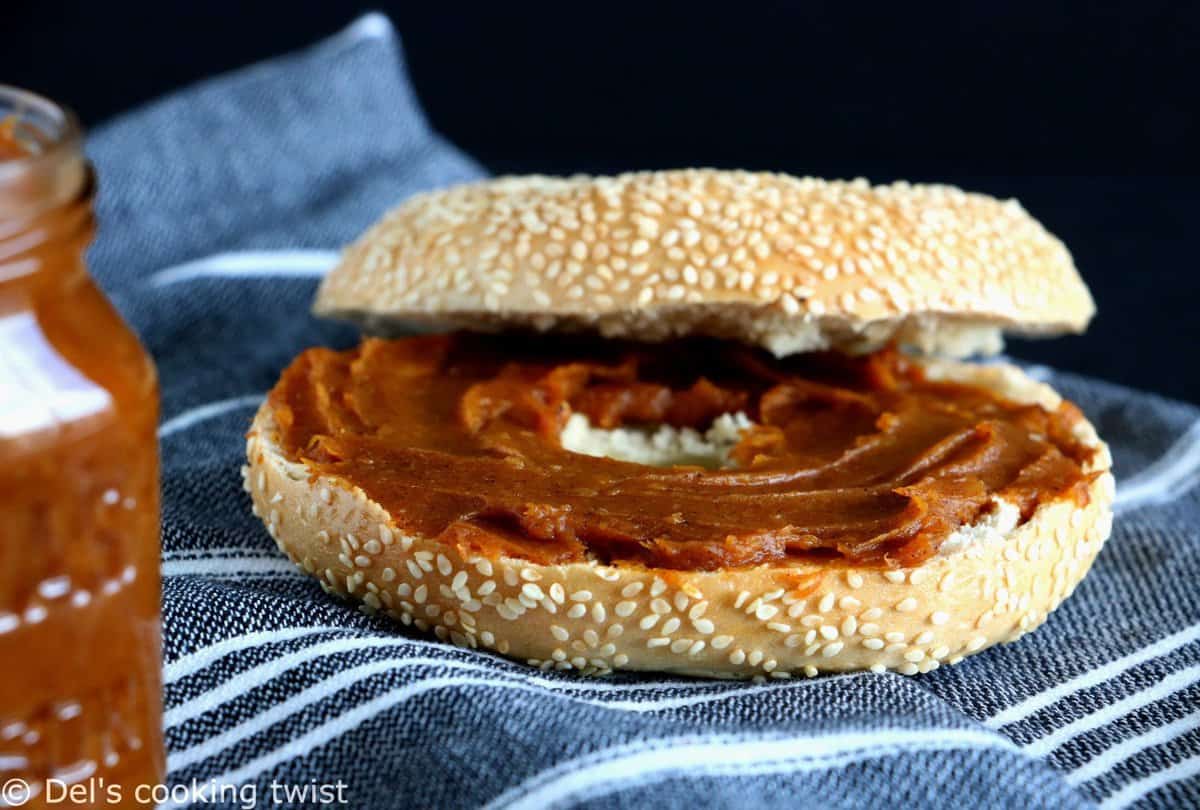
658	445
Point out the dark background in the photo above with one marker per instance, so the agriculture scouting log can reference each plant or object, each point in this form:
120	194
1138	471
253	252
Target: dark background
1087	112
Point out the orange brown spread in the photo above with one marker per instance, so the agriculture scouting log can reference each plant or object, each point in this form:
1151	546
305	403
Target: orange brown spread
856	459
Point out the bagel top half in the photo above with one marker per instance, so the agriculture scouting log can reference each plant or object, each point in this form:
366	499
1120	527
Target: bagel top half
788	264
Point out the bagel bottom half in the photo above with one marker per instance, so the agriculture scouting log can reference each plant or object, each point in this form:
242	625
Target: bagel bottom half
991	582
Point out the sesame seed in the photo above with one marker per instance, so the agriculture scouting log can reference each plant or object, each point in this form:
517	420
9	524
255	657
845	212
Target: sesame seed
670	626
907	605
625	609
873	643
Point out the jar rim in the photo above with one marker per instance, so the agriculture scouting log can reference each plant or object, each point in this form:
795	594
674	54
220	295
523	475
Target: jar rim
57	123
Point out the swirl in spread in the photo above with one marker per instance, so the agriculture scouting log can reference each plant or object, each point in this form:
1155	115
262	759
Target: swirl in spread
860	459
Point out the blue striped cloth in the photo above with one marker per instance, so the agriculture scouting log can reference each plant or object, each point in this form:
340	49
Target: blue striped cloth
221	205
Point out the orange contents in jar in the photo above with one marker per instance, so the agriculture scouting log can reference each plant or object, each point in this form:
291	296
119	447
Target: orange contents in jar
79	539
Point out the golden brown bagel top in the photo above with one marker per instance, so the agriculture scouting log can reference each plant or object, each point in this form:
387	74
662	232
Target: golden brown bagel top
791	264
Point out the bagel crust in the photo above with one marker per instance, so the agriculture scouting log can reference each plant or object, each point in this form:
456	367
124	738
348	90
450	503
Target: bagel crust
789	264
991	583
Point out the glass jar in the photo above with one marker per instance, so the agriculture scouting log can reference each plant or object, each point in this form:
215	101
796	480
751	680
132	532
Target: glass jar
80	646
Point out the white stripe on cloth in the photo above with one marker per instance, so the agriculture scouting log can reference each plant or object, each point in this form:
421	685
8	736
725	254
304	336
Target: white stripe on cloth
199	659
347	678
240	682
1177	471
231	566
1168	686
1129	794
257	676
796	749
641	763
249	264
201	413
1111	758
1093	677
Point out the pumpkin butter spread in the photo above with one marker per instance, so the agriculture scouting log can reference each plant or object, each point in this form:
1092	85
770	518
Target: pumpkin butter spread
854	459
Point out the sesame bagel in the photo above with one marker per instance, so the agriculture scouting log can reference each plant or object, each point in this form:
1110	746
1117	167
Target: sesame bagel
789	264
989	582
